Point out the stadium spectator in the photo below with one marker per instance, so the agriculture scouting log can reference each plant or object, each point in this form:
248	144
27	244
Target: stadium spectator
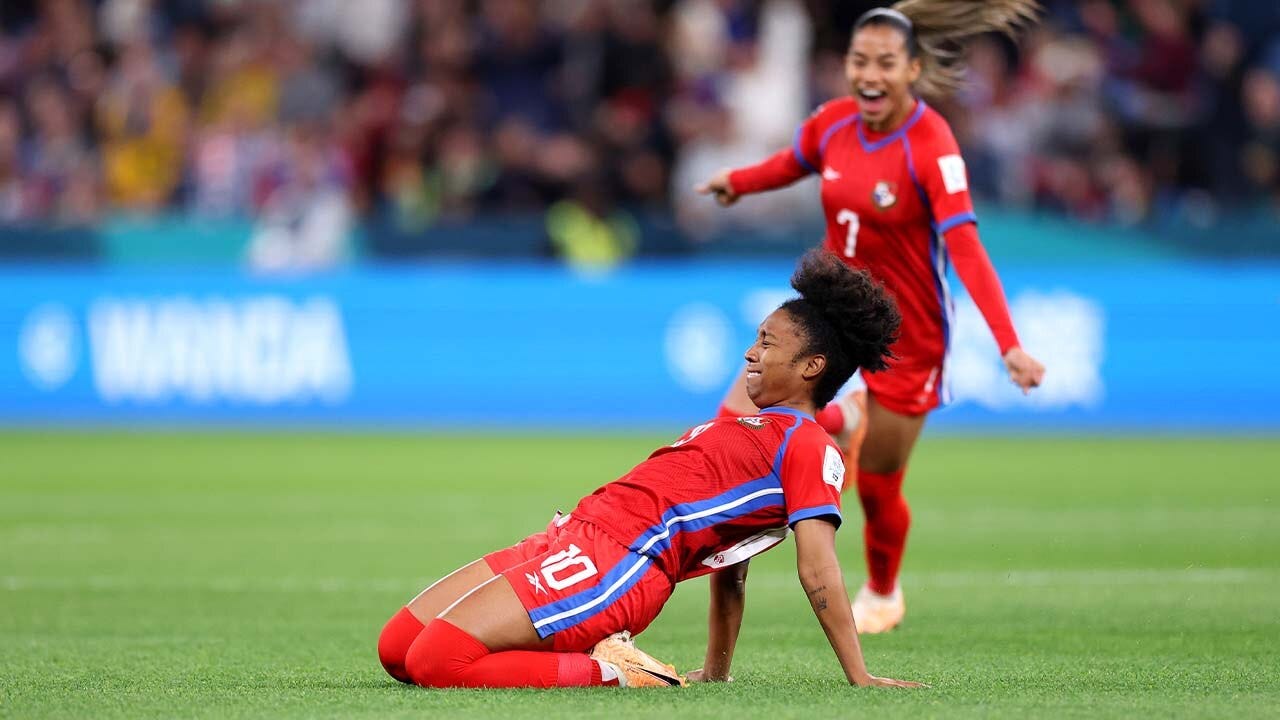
1124	111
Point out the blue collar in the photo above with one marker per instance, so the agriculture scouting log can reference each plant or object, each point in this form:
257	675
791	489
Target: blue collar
787	411
895	135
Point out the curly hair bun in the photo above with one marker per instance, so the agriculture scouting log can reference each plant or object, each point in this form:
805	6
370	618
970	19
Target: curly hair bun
845	315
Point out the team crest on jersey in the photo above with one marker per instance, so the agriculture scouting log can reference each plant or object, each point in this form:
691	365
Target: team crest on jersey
754	422
885	194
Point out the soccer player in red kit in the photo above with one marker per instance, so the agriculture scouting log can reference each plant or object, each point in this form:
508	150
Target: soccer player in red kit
728	489
896	198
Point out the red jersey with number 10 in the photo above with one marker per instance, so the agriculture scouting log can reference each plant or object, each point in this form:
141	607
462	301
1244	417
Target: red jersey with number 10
888	199
725	491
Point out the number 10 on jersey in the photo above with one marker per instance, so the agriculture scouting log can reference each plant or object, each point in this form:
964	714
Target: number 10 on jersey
849	218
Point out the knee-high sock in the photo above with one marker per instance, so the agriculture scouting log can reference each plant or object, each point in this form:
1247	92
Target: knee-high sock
888	519
393	644
445	656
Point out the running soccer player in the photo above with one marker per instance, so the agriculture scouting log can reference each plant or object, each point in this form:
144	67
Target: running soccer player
727	490
896	198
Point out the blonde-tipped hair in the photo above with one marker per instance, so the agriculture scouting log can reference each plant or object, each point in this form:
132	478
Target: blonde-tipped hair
942	27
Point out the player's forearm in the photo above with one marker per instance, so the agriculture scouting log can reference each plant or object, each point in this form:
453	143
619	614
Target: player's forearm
724	619
823	583
975	270
779	170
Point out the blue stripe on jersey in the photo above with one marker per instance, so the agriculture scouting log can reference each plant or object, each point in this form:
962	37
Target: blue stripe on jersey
900	133
813	512
938	263
826	136
786	438
581	606
955	221
795	148
741	500
737	502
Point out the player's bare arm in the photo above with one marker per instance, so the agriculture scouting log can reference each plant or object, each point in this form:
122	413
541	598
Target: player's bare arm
724	620
823	583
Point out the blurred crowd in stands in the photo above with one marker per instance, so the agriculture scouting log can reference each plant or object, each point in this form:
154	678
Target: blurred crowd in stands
311	115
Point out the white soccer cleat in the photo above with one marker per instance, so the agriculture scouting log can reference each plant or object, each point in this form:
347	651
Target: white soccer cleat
876	613
638	668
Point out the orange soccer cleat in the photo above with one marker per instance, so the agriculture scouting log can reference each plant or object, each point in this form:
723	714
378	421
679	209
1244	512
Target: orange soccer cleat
875	613
638	668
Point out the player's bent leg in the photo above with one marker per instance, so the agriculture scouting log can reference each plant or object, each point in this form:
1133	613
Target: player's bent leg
532	625
488	640
405	626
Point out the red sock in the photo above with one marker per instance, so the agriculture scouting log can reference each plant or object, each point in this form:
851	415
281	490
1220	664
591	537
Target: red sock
888	518
445	656
393	644
831	418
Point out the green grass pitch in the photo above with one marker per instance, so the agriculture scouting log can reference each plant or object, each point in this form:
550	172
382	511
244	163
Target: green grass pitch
240	575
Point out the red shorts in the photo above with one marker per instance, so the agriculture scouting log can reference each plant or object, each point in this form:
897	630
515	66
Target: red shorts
579	586
912	388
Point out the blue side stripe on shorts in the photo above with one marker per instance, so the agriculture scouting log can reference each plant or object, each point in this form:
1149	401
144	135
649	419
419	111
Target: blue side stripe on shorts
588	603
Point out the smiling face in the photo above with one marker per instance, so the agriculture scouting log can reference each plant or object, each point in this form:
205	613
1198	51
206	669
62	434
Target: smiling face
880	73
778	373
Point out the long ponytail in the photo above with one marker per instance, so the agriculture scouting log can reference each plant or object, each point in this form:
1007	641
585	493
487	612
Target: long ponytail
937	31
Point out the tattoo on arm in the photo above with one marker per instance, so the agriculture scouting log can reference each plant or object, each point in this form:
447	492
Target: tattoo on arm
819	601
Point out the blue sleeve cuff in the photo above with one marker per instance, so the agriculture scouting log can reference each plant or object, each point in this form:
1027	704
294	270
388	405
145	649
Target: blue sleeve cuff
956	220
795	148
830	511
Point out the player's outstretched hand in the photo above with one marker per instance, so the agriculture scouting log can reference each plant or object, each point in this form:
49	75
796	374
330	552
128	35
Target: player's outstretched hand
873	681
1025	371
720	187
694	676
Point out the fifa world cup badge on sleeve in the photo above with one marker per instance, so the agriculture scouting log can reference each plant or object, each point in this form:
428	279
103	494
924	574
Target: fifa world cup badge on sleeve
954	178
833	469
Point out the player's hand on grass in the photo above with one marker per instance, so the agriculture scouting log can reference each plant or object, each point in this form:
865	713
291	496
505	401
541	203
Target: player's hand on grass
873	681
699	676
720	187
1025	371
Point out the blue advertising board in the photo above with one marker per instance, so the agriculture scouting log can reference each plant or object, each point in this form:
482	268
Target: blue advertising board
1155	347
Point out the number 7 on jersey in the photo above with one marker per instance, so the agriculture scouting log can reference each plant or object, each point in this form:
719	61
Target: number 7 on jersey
850	218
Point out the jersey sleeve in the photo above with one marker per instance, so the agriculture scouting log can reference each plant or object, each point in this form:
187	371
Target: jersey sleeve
789	164
979	277
941	172
812	477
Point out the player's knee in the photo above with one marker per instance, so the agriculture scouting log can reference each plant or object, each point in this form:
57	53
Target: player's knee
435	659
423	662
394	642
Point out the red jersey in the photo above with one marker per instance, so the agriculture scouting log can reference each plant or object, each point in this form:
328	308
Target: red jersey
725	491
889	200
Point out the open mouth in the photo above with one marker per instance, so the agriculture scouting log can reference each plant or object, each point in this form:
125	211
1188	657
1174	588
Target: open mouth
871	99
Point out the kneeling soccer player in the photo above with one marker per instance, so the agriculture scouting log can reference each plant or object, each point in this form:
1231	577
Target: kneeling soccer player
558	608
